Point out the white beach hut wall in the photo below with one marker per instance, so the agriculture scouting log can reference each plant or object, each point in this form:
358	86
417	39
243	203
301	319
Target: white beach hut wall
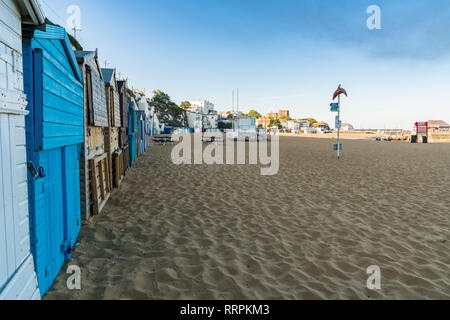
17	272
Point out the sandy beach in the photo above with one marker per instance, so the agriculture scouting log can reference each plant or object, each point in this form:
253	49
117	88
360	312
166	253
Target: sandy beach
310	232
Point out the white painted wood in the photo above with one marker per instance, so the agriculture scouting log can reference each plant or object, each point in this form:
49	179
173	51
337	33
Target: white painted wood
24	284
10	26
17	275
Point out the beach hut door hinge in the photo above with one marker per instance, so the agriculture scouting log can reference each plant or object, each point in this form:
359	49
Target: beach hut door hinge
33	171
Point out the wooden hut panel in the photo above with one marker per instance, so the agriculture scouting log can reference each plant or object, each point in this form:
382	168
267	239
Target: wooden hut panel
15	243
95	122
126	159
123	103
114	139
118	171
17	273
117	116
98	97
123	137
53	82
96	142
99	183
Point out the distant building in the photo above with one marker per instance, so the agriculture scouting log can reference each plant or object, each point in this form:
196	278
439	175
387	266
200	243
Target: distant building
347	127
263	122
194	120
322	126
297	125
203	107
210	121
304	124
272	115
438	125
283	114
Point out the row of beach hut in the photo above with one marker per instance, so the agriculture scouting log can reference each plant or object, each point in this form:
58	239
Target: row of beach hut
69	131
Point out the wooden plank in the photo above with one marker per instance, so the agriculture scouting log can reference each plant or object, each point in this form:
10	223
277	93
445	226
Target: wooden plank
10	25
7	194
102	181
93	167
107	176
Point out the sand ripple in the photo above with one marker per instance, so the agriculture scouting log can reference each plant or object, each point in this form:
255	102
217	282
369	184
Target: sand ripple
225	232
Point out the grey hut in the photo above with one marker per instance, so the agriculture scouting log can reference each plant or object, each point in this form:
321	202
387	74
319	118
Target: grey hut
94	165
112	133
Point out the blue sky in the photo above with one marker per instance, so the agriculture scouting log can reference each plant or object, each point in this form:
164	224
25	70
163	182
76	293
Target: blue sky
280	54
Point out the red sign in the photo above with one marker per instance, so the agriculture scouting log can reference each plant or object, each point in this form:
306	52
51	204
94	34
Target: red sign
422	127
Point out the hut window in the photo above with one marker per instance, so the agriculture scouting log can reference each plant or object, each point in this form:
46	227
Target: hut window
89	100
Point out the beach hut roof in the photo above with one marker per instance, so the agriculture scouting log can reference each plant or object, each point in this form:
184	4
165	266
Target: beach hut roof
82	56
31	12
438	124
108	75
121	84
85	56
59	33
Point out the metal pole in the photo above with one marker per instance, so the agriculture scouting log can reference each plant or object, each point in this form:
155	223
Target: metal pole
339	129
232	113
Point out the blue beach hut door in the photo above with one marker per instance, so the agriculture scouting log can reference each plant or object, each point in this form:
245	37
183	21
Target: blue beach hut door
132	134
53	152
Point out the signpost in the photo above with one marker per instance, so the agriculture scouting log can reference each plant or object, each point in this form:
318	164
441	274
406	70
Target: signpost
422	129
338	124
337	108
339	129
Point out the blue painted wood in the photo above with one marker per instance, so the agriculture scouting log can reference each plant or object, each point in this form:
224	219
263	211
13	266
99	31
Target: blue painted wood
55	131
71	157
37	64
132	128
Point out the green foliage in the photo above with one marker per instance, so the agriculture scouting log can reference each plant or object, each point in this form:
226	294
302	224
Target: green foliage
168	110
276	123
130	94
222	125
254	113
185	105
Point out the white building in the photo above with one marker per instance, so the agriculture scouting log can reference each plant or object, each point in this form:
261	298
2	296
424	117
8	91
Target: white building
347	127
203	107
194	120
202	115
296	125
142	103
210	121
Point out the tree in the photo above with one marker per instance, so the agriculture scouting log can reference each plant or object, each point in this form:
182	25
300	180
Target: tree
276	123
185	105
254	113
168	110
223	126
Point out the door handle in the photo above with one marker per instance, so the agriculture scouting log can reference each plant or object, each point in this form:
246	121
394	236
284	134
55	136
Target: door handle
41	172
